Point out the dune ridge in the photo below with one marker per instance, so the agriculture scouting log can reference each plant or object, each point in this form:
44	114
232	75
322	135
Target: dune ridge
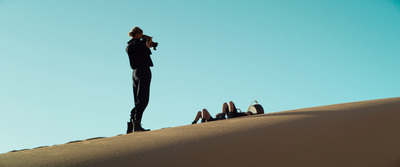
363	134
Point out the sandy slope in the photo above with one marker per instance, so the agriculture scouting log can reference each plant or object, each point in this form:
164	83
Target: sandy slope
359	134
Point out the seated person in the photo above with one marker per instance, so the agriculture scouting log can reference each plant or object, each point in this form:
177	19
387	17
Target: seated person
230	111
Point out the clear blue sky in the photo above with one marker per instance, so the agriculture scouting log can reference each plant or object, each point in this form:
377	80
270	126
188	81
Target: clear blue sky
65	74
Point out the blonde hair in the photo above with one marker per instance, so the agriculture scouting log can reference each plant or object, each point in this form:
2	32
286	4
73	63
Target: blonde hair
135	30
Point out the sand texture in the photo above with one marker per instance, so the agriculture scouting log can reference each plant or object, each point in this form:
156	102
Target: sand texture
358	134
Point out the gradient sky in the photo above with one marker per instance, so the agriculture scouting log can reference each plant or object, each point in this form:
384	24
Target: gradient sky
65	75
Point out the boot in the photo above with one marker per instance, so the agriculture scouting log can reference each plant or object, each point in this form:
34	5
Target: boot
137	127
130	127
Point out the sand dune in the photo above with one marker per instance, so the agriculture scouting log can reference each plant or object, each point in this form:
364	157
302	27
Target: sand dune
359	134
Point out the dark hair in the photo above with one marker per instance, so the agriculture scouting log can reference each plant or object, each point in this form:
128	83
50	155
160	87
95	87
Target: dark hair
135	30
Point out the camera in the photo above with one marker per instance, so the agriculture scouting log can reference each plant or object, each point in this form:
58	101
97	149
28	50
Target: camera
147	38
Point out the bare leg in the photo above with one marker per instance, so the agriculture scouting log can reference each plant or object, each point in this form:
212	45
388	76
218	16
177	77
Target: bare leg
205	115
225	108
198	116
232	107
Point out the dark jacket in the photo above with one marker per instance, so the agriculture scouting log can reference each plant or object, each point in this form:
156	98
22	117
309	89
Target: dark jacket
139	54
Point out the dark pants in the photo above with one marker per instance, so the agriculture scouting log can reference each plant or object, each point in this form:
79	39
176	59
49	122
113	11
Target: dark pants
141	90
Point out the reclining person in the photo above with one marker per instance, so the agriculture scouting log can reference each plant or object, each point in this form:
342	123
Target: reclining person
230	111
234	113
206	116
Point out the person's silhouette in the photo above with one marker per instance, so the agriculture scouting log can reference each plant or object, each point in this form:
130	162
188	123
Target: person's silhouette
140	62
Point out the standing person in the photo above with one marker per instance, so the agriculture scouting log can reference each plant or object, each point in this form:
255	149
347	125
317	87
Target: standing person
139	57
